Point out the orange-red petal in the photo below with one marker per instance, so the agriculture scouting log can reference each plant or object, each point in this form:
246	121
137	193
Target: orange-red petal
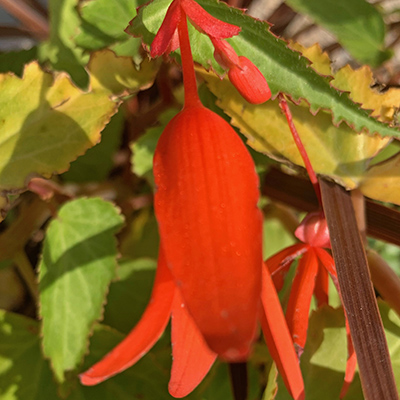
327	261
210	226
167	31
301	293
278	339
192	359
279	263
205	22
143	336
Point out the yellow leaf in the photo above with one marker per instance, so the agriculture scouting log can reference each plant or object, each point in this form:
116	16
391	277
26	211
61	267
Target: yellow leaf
382	181
338	152
119	75
46	122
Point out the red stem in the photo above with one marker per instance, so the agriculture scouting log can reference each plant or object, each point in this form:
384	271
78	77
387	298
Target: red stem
189	77
313	177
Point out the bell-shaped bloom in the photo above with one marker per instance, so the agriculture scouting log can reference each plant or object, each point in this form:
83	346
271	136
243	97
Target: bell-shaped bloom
312	277
210	278
210	226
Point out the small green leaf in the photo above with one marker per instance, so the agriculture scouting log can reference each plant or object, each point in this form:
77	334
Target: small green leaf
141	238
79	260
97	162
275	237
357	24
129	294
147	379
143	149
24	374
285	70
14	61
104	22
60	50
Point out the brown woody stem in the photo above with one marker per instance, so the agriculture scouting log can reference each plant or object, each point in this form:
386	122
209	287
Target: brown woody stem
358	296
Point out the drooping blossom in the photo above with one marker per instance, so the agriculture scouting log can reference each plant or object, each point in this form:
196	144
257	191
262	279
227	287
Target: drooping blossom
312	277
314	267
243	74
210	278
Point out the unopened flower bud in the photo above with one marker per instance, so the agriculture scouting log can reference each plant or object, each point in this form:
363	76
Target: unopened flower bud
249	81
313	230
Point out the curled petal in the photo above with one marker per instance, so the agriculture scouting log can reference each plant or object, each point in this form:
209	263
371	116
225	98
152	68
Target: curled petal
224	53
249	81
143	336
279	264
327	261
301	293
277	337
192	359
205	22
167	32
210	226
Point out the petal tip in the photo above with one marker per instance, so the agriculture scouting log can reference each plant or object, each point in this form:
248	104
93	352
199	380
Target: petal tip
88	380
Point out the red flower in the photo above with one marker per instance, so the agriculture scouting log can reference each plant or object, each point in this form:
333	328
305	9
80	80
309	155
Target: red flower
210	278
312	275
243	74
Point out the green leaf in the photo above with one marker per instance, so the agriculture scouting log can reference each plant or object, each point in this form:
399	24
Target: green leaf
60	50
143	149
14	61
46	123
24	374
104	22
129	294
275	237
97	162
79	260
357	24
324	359
285	70
141	238
271	386
147	379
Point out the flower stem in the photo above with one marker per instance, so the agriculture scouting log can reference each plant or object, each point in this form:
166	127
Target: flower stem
313	177
189	77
